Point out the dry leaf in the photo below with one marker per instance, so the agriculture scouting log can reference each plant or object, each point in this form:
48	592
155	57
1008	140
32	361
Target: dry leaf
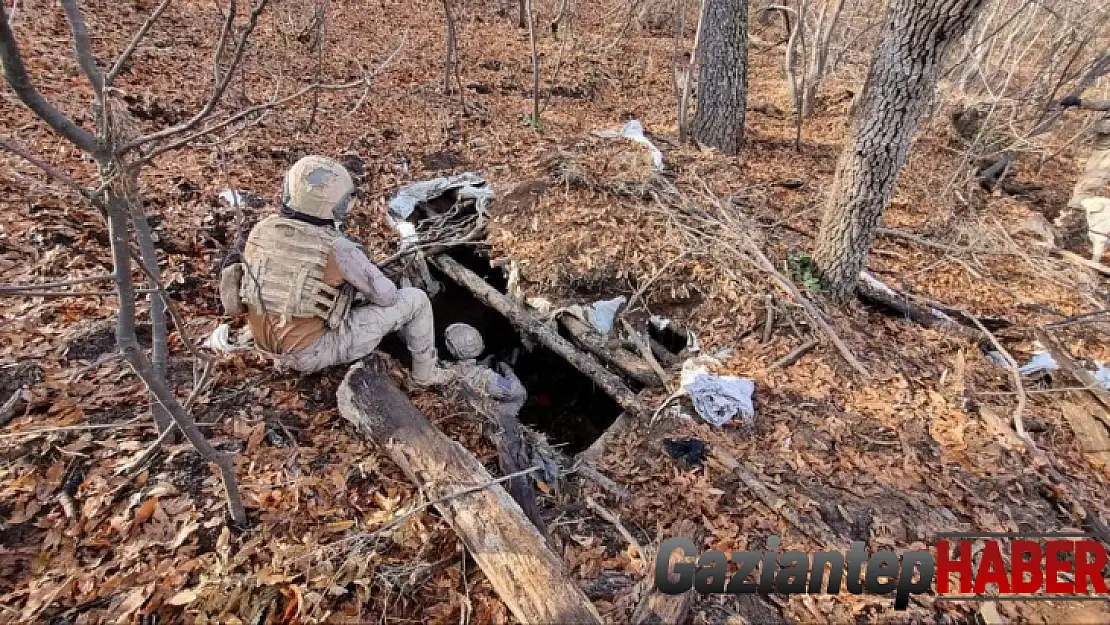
146	510
185	597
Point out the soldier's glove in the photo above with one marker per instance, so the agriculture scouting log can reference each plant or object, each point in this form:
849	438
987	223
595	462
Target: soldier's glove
1070	101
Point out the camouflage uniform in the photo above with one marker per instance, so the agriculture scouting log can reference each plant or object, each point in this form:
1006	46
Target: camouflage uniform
494	394
299	279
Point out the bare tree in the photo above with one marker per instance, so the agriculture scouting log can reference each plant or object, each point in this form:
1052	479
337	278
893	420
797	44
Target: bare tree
120	152
916	37
723	78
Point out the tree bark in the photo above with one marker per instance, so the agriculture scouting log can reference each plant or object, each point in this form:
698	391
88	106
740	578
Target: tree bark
656	608
723	77
917	36
589	339
530	579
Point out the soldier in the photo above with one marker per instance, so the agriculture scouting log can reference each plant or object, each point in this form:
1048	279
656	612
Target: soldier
1091	194
494	394
300	279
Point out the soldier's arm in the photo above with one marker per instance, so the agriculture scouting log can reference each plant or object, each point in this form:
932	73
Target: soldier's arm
364	275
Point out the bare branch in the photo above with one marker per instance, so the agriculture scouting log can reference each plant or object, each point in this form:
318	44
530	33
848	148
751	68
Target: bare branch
17	288
126	55
218	90
146	158
54	173
133	354
82	48
15	73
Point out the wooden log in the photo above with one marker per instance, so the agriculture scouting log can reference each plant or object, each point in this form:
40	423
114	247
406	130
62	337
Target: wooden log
531	580
526	322
816	530
592	341
871	290
655	608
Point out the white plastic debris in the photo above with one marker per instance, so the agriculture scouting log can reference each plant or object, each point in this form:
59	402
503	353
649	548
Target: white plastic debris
1102	375
233	197
718	399
1041	361
600	314
220	340
634	130
467	186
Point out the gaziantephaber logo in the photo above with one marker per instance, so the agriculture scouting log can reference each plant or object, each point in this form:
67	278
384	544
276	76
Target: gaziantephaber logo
992	566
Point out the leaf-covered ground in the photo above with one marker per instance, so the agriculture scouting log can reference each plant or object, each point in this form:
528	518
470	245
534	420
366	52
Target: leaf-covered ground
923	446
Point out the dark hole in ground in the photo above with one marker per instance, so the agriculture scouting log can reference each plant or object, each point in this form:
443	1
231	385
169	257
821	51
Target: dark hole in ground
562	403
670	337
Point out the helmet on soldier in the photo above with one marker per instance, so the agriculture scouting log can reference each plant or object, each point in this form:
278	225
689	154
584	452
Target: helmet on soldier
319	187
464	342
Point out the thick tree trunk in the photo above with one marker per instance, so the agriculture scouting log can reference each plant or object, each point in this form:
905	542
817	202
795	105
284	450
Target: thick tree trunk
723	79
903	76
531	580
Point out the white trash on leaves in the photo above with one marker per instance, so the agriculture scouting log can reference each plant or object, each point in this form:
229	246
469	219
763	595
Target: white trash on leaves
634	130
468	186
717	399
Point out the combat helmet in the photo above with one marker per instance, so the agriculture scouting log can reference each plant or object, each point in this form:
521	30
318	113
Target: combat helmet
319	187
464	342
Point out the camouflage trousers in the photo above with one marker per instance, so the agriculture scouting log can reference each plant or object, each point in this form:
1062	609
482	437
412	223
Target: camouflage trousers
364	328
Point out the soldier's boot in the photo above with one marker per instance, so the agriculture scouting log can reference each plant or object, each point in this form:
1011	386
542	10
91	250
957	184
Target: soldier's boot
428	374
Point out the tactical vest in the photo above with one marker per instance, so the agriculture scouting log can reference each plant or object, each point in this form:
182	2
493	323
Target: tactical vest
284	272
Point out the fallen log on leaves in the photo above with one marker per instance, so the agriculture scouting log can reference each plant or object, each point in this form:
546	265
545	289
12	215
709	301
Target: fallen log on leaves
655	607
816	530
871	290
592	341
528	324
530	579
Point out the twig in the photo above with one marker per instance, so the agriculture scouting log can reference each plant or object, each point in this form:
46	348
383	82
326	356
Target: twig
644	287
794	356
769	319
684	100
77	428
814	529
60	293
82	49
602	512
126	54
366	536
15	288
217	92
1076	259
645	352
535	67
48	169
1015	374
16	75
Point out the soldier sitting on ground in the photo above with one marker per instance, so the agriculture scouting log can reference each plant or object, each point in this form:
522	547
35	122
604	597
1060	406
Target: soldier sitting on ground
300	279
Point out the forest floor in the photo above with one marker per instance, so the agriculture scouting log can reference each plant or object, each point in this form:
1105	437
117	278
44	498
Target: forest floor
923	445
